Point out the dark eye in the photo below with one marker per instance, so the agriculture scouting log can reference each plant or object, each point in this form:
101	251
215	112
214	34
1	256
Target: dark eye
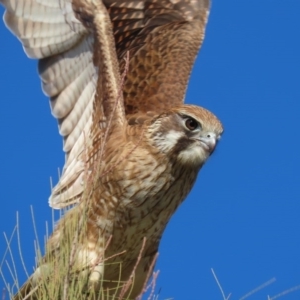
191	124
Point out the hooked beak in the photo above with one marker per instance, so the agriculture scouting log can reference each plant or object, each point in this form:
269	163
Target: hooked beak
208	141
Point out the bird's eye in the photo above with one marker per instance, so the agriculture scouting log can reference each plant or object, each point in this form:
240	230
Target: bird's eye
192	124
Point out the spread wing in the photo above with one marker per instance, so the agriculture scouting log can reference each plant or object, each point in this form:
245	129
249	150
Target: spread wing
162	37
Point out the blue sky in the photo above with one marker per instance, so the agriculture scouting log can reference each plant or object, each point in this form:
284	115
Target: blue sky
243	216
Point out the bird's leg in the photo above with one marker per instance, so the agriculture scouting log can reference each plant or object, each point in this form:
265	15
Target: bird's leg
41	273
96	276
90	267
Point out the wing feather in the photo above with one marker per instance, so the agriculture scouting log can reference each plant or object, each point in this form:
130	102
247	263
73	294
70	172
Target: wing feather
41	26
162	36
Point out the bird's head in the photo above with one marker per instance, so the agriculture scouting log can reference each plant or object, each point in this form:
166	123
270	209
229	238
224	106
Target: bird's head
186	133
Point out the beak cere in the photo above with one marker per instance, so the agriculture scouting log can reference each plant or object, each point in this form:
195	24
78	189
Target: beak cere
208	141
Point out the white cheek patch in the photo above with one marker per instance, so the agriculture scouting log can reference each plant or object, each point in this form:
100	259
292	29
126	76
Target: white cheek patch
192	155
167	142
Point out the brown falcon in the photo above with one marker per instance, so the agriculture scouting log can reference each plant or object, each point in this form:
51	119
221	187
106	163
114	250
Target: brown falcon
133	149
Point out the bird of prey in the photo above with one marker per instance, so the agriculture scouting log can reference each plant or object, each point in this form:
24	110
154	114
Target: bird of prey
116	72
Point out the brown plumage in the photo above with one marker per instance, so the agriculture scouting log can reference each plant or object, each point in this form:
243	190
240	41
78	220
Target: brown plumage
133	152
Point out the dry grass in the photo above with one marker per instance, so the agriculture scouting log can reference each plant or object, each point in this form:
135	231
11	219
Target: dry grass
58	280
65	284
255	290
